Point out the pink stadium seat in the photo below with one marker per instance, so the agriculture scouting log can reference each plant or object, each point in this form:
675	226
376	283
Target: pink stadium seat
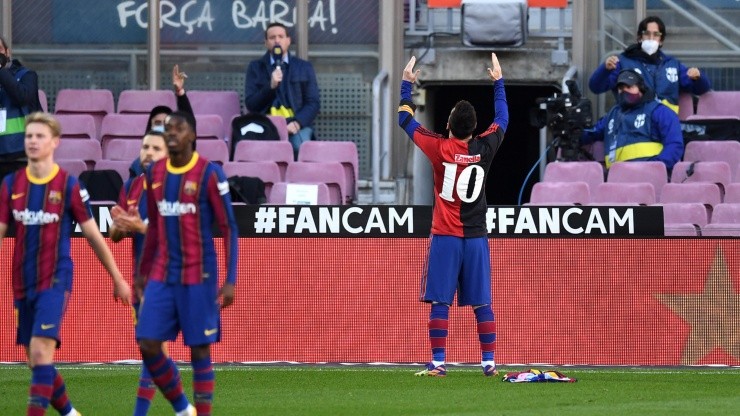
721	230
268	171
142	101
717	105
265	150
344	152
223	103
209	127
281	125
43	101
120	166
702	192
77	126
329	173
122	149
79	149
685	212
122	126
685	106
633	172
681	230
712	172
214	150
96	102
560	193
628	193
726	214
714	151
590	172
732	193
73	166
279	190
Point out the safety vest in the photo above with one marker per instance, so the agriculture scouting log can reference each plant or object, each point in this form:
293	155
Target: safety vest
11	139
627	135
661	78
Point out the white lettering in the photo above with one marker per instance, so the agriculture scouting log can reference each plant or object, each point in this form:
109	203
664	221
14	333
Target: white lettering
104	219
305	221
375	221
40	217
506	218
549	220
628	220
345	220
408	217
175	209
286	218
525	222
595	222
566	217
329	219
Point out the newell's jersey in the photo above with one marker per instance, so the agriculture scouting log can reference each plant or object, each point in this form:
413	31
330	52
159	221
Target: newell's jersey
133	195
183	204
43	210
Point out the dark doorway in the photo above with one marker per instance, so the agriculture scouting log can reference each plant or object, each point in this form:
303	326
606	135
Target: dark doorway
520	150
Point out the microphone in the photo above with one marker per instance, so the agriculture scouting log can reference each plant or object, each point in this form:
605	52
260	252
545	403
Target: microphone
277	55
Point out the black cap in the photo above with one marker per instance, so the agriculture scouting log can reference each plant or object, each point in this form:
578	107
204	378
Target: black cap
629	77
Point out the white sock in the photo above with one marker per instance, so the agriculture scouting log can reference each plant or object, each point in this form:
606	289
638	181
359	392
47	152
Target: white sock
437	363
485	363
190	410
72	412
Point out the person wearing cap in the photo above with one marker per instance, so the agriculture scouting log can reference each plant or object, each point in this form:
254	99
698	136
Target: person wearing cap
664	74
638	127
280	84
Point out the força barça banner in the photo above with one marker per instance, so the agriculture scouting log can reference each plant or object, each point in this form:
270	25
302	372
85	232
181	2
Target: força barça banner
415	221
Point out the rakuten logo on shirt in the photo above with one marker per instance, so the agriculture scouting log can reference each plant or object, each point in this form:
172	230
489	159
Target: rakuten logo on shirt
175	209
467	158
27	217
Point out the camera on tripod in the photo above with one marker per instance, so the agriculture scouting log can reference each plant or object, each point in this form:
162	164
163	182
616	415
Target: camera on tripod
566	115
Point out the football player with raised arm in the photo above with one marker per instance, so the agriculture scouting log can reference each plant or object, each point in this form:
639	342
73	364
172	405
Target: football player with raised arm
458	258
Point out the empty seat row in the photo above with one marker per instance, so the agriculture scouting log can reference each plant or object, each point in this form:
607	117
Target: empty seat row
712	105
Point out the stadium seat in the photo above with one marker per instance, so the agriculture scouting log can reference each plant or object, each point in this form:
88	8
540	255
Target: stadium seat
715	105
329	173
279	193
647	171
122	149
142	101
43	101
79	149
726	213
214	150
732	193
265	150
120	166
685	105
711	172
683	218
209	127
223	103
721	230
590	172
73	166
281	125
702	192
77	126
560	193
344	152
624	193
122	126
268	171
714	151
96	102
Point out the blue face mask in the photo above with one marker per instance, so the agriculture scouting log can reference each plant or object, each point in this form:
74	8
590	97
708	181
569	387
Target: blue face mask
159	128
627	100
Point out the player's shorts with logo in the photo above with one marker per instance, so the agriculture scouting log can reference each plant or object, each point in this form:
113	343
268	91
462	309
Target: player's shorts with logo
40	315
168	308
457	264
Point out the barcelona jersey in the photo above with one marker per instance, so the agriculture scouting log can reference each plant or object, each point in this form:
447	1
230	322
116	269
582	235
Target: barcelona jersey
133	195
183	203
44	211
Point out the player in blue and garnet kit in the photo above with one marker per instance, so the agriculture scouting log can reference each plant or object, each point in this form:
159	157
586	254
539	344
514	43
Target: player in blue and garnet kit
186	194
458	258
44	200
129	217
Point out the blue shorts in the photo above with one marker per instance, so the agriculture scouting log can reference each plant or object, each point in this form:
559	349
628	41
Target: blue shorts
40	316
457	264
168	309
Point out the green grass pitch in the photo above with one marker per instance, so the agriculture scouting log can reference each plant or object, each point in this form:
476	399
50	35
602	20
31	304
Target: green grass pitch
393	390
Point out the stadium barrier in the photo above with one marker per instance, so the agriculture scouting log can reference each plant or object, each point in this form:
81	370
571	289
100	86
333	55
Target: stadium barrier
351	293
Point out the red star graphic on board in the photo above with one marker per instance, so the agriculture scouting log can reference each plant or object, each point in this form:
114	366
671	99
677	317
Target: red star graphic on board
714	314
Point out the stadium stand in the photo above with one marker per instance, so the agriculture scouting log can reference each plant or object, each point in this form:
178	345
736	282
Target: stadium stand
142	101
590	172
268	171
714	150
43	101
652	172
715	105
96	102
77	126
685	106
560	193
122	126
705	193
209	127
265	150
214	150
329	173
684	218
712	172
281	125
732	193
279	193
223	103
120	166
344	152
74	166
79	149
623	193
725	221
122	149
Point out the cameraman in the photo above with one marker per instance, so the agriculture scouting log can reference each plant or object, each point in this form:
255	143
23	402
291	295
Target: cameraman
638	127
19	96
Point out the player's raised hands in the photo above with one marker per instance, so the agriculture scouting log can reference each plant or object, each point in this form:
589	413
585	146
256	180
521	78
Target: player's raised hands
408	73
178	80
494	72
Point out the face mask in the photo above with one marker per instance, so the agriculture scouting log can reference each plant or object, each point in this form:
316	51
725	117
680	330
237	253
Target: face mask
159	128
627	100
650	46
